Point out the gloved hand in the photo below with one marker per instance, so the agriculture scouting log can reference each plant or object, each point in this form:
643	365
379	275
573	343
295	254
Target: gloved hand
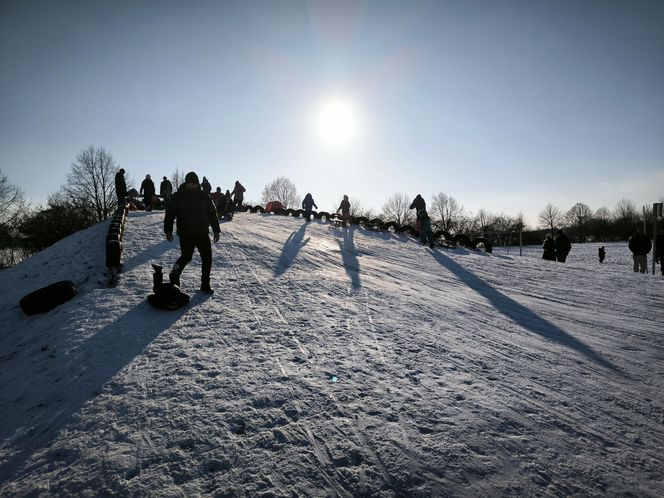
216	237
169	236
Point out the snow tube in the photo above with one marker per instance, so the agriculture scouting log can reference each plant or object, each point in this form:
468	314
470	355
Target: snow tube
47	298
272	206
323	215
298	212
442	234
169	297
290	212
257	209
113	253
391	226
408	229
280	211
361	220
461	239
486	243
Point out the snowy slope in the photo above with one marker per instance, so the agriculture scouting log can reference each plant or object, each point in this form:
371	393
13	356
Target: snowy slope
331	362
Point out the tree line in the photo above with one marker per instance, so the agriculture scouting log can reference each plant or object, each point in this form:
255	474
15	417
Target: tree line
88	197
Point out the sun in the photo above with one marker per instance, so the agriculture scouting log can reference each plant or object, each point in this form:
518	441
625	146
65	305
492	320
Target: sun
337	121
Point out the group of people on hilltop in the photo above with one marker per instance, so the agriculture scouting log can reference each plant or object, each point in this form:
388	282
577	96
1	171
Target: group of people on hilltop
556	248
640	246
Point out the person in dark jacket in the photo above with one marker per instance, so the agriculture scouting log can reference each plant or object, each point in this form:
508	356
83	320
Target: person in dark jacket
640	246
563	246
308	204
205	185
216	197
195	213
238	195
121	187
602	254
659	250
549	247
166	190
419	205
147	191
426	235
344	207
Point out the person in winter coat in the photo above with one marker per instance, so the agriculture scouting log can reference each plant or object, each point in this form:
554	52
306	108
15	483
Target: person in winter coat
659	250
601	253
147	191
308	204
195	213
205	185
344	207
640	246
418	204
166	190
121	187
549	247
238	195
426	235
563	246
216	197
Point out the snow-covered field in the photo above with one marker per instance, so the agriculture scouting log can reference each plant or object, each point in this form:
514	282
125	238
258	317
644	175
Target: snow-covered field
332	362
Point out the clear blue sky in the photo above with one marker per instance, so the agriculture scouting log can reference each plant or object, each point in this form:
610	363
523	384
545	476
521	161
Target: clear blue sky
505	105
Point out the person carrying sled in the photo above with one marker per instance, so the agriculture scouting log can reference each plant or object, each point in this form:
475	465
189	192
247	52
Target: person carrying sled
308	204
640	246
166	190
549	247
344	207
426	235
147	191
238	195
563	246
121	187
195	213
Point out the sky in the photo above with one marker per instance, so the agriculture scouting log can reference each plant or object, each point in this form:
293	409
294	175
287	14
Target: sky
505	106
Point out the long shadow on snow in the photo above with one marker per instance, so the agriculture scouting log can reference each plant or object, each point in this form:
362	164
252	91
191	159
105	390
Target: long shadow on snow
97	361
289	252
520	314
349	255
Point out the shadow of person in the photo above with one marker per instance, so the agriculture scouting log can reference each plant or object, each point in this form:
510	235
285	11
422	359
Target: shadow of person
526	318
86	368
292	246
349	256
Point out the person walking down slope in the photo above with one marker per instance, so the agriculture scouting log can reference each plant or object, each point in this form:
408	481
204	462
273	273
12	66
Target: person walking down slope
121	187
166	190
659	250
308	204
426	235
601	252
640	246
147	191
195	213
344	207
238	195
563	246
549	247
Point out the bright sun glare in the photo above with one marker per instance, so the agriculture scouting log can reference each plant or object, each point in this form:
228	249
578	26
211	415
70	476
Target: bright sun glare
337	121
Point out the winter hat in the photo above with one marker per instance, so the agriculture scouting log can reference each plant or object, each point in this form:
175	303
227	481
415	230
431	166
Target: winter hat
191	177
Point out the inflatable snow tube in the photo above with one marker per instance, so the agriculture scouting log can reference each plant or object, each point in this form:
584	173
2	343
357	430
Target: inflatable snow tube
442	234
461	239
486	243
257	209
47	298
113	253
280	211
361	220
290	212
299	212
392	226
323	216
408	229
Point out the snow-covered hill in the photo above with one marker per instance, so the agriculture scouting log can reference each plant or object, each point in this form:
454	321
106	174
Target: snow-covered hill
331	362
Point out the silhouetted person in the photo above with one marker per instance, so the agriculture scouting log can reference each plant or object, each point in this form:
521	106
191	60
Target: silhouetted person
195	213
121	187
344	207
238	195
426	235
659	250
419	205
166	190
601	253
205	185
147	191
308	204
640	246
563	246
216	197
549	247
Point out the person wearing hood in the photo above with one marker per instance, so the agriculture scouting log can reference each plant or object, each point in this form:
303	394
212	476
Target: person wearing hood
563	246
205	185
121	187
195	213
344	207
640	246
549	247
147	191
238	195
420	206
166	190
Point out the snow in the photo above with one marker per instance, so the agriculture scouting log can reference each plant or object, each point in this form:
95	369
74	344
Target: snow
332	362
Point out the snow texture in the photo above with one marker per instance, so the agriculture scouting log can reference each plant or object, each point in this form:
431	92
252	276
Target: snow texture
332	362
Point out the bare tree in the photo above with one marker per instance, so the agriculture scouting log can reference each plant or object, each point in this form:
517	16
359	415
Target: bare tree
446	212
283	190
579	218
626	212
357	209
550	217
92	179
397	208
12	202
177	178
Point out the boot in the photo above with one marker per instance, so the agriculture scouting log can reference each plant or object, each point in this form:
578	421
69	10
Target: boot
157	277
205	286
